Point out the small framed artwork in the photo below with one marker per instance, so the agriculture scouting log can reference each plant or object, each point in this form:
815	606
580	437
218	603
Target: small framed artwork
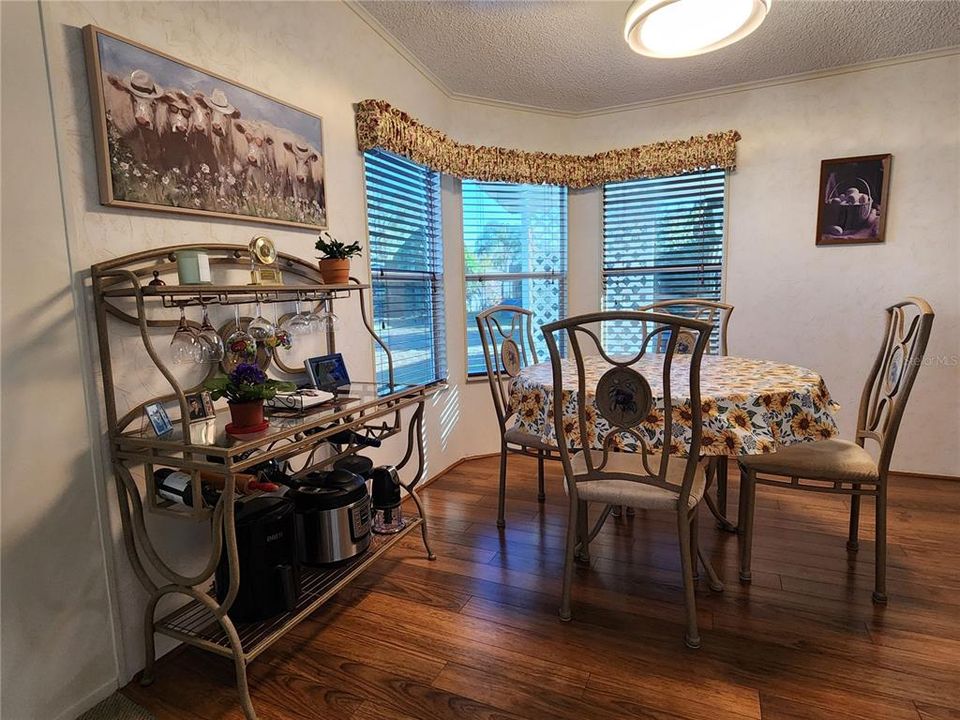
158	419
200	406
852	204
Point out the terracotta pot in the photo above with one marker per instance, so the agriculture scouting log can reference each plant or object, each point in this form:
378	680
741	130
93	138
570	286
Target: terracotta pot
335	271
246	414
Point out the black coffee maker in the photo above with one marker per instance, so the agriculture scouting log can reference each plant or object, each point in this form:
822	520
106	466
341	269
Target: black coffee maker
267	553
385	500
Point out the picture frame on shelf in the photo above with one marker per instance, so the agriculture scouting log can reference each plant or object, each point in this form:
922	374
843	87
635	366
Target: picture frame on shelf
159	420
852	200
200	406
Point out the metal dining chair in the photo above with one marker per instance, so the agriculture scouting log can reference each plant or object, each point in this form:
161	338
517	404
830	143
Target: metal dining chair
506	333
718	315
643	479
842	467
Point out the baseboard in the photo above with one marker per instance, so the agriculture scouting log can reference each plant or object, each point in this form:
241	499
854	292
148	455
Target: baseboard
453	465
925	476
81	706
732	461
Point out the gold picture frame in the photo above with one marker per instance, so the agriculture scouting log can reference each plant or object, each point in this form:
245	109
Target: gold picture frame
171	136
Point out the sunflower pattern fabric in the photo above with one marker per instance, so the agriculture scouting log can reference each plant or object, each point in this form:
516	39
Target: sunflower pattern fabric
380	125
749	406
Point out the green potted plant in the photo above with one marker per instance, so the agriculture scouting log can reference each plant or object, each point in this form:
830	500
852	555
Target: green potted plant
245	390
335	258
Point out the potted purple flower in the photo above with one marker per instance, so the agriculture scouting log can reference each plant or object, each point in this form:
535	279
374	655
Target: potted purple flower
245	390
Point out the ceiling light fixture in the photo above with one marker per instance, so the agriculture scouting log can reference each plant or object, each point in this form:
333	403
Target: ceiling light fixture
681	28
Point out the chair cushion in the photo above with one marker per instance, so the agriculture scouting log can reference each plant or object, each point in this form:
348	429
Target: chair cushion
517	437
821	460
633	493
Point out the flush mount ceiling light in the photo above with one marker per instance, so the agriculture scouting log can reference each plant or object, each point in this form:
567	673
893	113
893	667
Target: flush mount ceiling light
681	28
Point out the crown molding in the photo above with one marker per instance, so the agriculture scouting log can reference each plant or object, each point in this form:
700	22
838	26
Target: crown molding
393	42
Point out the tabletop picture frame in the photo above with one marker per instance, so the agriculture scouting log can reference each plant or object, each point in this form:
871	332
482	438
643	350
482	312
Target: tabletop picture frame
159	420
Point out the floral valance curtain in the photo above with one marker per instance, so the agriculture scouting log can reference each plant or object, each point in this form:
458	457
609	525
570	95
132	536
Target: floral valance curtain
379	125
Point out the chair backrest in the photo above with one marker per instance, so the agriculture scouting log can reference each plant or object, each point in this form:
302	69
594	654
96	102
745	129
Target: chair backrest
506	332
891	378
709	311
623	402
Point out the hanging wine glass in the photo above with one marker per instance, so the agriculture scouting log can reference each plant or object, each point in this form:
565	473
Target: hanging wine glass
185	345
314	321
280	337
241	345
261	328
297	324
211	343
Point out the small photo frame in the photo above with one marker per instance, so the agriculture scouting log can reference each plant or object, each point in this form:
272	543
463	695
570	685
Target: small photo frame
158	418
200	406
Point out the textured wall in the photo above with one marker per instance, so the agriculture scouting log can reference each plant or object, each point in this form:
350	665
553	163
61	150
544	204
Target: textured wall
821	307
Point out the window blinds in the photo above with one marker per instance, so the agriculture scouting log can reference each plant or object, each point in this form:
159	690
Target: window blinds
406	262
515	253
662	240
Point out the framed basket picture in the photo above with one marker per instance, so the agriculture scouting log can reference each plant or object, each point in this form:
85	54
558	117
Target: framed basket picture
852	203
173	137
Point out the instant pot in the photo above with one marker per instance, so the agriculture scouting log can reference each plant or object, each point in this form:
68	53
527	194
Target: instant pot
332	516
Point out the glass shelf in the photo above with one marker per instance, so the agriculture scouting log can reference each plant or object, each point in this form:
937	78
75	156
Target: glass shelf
287	433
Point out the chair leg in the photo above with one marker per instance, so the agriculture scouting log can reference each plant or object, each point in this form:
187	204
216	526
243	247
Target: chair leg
722	485
501	523
695	542
541	496
748	492
853	541
692	635
583	533
880	561
573	523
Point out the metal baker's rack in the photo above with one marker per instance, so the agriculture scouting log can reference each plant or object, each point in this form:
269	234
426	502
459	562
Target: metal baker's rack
123	295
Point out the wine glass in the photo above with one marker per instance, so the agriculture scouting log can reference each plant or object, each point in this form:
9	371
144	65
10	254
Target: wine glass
185	345
261	328
313	320
281	337
297	324
210	341
240	344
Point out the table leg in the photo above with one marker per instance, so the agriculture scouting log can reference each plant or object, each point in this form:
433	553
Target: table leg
717	468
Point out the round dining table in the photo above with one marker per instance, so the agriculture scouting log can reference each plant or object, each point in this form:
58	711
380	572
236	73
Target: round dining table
748	406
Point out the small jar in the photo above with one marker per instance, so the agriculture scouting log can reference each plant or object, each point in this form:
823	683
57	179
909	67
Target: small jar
193	267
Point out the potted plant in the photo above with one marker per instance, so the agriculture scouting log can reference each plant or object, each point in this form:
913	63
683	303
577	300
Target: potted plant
245	390
335	259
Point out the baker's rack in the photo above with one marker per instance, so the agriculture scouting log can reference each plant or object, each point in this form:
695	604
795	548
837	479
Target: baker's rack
123	292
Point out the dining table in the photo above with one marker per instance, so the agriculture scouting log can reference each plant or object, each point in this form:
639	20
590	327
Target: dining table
748	407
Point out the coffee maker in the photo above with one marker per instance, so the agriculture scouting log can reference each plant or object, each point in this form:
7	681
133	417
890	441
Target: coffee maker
387	511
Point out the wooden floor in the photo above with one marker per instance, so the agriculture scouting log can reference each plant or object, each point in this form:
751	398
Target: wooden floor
475	634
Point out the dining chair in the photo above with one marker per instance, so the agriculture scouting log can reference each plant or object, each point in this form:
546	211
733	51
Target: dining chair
506	333
842	467
623	397
718	315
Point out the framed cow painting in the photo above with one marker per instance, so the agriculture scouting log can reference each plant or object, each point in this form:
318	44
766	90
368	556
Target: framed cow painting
175	138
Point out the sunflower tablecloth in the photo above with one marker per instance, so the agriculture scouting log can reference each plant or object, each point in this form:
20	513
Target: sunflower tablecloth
749	406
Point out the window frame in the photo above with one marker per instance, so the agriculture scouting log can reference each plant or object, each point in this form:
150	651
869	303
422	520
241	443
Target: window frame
438	283
564	295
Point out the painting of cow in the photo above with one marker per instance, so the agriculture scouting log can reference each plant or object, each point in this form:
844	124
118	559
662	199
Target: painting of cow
173	137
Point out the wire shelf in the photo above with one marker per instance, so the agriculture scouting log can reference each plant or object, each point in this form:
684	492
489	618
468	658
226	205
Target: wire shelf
193	623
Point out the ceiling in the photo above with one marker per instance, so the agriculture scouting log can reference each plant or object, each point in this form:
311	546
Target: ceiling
570	57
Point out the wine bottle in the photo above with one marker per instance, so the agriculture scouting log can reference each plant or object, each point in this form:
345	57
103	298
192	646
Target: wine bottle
174	485
349	437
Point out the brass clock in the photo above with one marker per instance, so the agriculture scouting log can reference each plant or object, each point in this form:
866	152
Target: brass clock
263	251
